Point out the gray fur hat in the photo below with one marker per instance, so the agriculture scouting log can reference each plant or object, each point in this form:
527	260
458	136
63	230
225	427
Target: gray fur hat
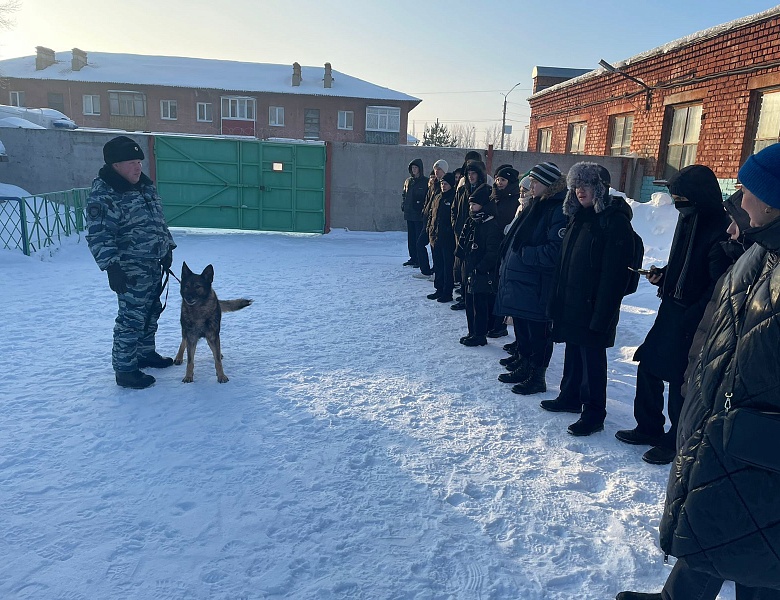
587	173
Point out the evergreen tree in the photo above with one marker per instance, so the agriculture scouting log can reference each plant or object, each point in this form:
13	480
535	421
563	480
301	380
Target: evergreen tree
438	135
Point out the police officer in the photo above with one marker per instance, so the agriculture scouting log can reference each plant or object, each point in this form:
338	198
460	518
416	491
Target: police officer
130	241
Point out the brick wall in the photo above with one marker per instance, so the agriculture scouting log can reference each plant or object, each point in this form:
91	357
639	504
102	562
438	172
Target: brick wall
724	73
36	96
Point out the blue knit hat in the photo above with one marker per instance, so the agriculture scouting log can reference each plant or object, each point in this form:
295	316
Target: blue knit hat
761	175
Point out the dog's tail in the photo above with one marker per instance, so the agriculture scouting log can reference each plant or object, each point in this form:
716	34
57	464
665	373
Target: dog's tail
234	305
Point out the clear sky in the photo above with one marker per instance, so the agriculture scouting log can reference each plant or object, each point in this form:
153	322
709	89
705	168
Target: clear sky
459	57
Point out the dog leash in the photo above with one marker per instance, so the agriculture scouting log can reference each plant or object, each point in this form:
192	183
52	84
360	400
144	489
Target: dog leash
163	287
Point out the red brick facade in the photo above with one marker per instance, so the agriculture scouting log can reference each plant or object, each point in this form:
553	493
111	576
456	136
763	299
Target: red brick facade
725	70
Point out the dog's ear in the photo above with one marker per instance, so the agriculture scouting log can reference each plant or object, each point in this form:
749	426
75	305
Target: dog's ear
208	273
185	270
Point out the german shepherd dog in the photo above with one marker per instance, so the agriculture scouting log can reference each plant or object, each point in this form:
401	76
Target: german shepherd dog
201	316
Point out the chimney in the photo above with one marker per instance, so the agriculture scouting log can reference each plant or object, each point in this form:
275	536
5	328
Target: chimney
79	59
44	57
296	80
328	79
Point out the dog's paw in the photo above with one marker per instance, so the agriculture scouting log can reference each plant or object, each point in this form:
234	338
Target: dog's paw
222	378
187	379
178	361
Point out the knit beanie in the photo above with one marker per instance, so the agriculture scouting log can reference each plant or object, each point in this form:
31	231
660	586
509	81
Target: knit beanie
510	174
473	155
761	175
442	164
120	149
546	173
449	178
525	182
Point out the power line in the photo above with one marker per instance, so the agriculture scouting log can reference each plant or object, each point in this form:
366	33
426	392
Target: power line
466	92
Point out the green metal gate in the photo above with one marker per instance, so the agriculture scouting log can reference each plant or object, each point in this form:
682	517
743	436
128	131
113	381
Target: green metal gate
241	184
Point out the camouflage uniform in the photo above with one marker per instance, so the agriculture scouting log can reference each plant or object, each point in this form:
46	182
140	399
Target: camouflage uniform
126	226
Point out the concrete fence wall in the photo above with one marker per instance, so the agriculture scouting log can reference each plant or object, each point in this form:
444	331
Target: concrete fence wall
365	179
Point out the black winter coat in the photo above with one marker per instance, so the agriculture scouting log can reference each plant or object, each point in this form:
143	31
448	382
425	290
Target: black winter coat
506	201
478	248
440	222
722	515
664	353
529	254
592	274
414	192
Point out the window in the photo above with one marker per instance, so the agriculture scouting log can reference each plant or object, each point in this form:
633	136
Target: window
91	104
56	101
577	132
622	127
276	116
768	130
205	112
17	99
346	119
127	104
544	140
168	110
311	124
683	138
238	108
383	118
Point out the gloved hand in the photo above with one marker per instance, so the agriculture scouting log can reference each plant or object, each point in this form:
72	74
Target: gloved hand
167	260
117	280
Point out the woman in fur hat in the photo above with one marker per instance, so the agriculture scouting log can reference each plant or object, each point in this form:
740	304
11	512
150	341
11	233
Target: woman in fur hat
585	306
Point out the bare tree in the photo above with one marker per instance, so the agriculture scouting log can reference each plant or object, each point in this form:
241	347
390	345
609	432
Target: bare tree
493	136
466	135
7	9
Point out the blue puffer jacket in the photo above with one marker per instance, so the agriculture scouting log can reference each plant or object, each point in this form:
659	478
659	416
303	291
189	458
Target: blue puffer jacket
530	252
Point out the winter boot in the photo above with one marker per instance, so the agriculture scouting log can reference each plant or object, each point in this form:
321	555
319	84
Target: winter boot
433	296
505	362
511	347
514	364
638	438
586	425
464	338
659	455
637	596
476	340
136	380
154	361
498	333
410	263
519	374
444	299
561	405
459	305
533	384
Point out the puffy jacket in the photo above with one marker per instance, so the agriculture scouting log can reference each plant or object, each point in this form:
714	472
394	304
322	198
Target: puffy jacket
592	274
529	255
125	221
414	192
722	515
478	246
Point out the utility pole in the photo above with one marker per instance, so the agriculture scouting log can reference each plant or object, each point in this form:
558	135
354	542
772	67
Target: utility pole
503	118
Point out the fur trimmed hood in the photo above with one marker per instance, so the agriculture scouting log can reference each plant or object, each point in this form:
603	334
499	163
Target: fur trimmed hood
587	173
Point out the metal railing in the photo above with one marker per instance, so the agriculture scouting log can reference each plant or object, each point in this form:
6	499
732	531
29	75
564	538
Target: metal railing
31	223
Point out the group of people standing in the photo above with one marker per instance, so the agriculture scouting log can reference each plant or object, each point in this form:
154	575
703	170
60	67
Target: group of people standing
560	268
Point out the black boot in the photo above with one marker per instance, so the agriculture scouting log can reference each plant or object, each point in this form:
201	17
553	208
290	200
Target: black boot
434	296
476	340
505	362
497	333
637	596
136	380
533	384
154	361
514	364
561	405
519	374
459	305
586	425
511	348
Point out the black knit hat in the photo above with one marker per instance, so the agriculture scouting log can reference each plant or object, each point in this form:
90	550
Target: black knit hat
120	149
449	178
546	173
509	173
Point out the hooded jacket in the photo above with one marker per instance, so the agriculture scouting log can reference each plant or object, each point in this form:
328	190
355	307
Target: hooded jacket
723	515
507	202
529	254
696	262
460	206
593	271
440	221
414	192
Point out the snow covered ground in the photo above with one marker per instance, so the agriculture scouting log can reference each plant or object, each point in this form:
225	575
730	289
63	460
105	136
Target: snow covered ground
358	450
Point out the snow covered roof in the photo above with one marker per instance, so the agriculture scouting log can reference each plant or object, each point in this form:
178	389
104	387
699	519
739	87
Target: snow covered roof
175	71
699	36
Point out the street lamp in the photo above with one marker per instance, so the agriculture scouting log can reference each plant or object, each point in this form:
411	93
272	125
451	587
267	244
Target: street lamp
648	90
503	118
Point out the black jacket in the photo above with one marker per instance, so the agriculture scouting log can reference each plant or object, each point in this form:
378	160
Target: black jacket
720	514
440	222
460	206
685	290
478	247
506	201
592	274
414	192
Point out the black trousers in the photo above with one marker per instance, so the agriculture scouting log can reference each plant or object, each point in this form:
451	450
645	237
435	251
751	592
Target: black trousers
534	340
478	313
413	230
649	406
422	251
584	381
443	263
685	583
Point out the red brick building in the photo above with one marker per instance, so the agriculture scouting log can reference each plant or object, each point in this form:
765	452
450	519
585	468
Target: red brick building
211	97
711	98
